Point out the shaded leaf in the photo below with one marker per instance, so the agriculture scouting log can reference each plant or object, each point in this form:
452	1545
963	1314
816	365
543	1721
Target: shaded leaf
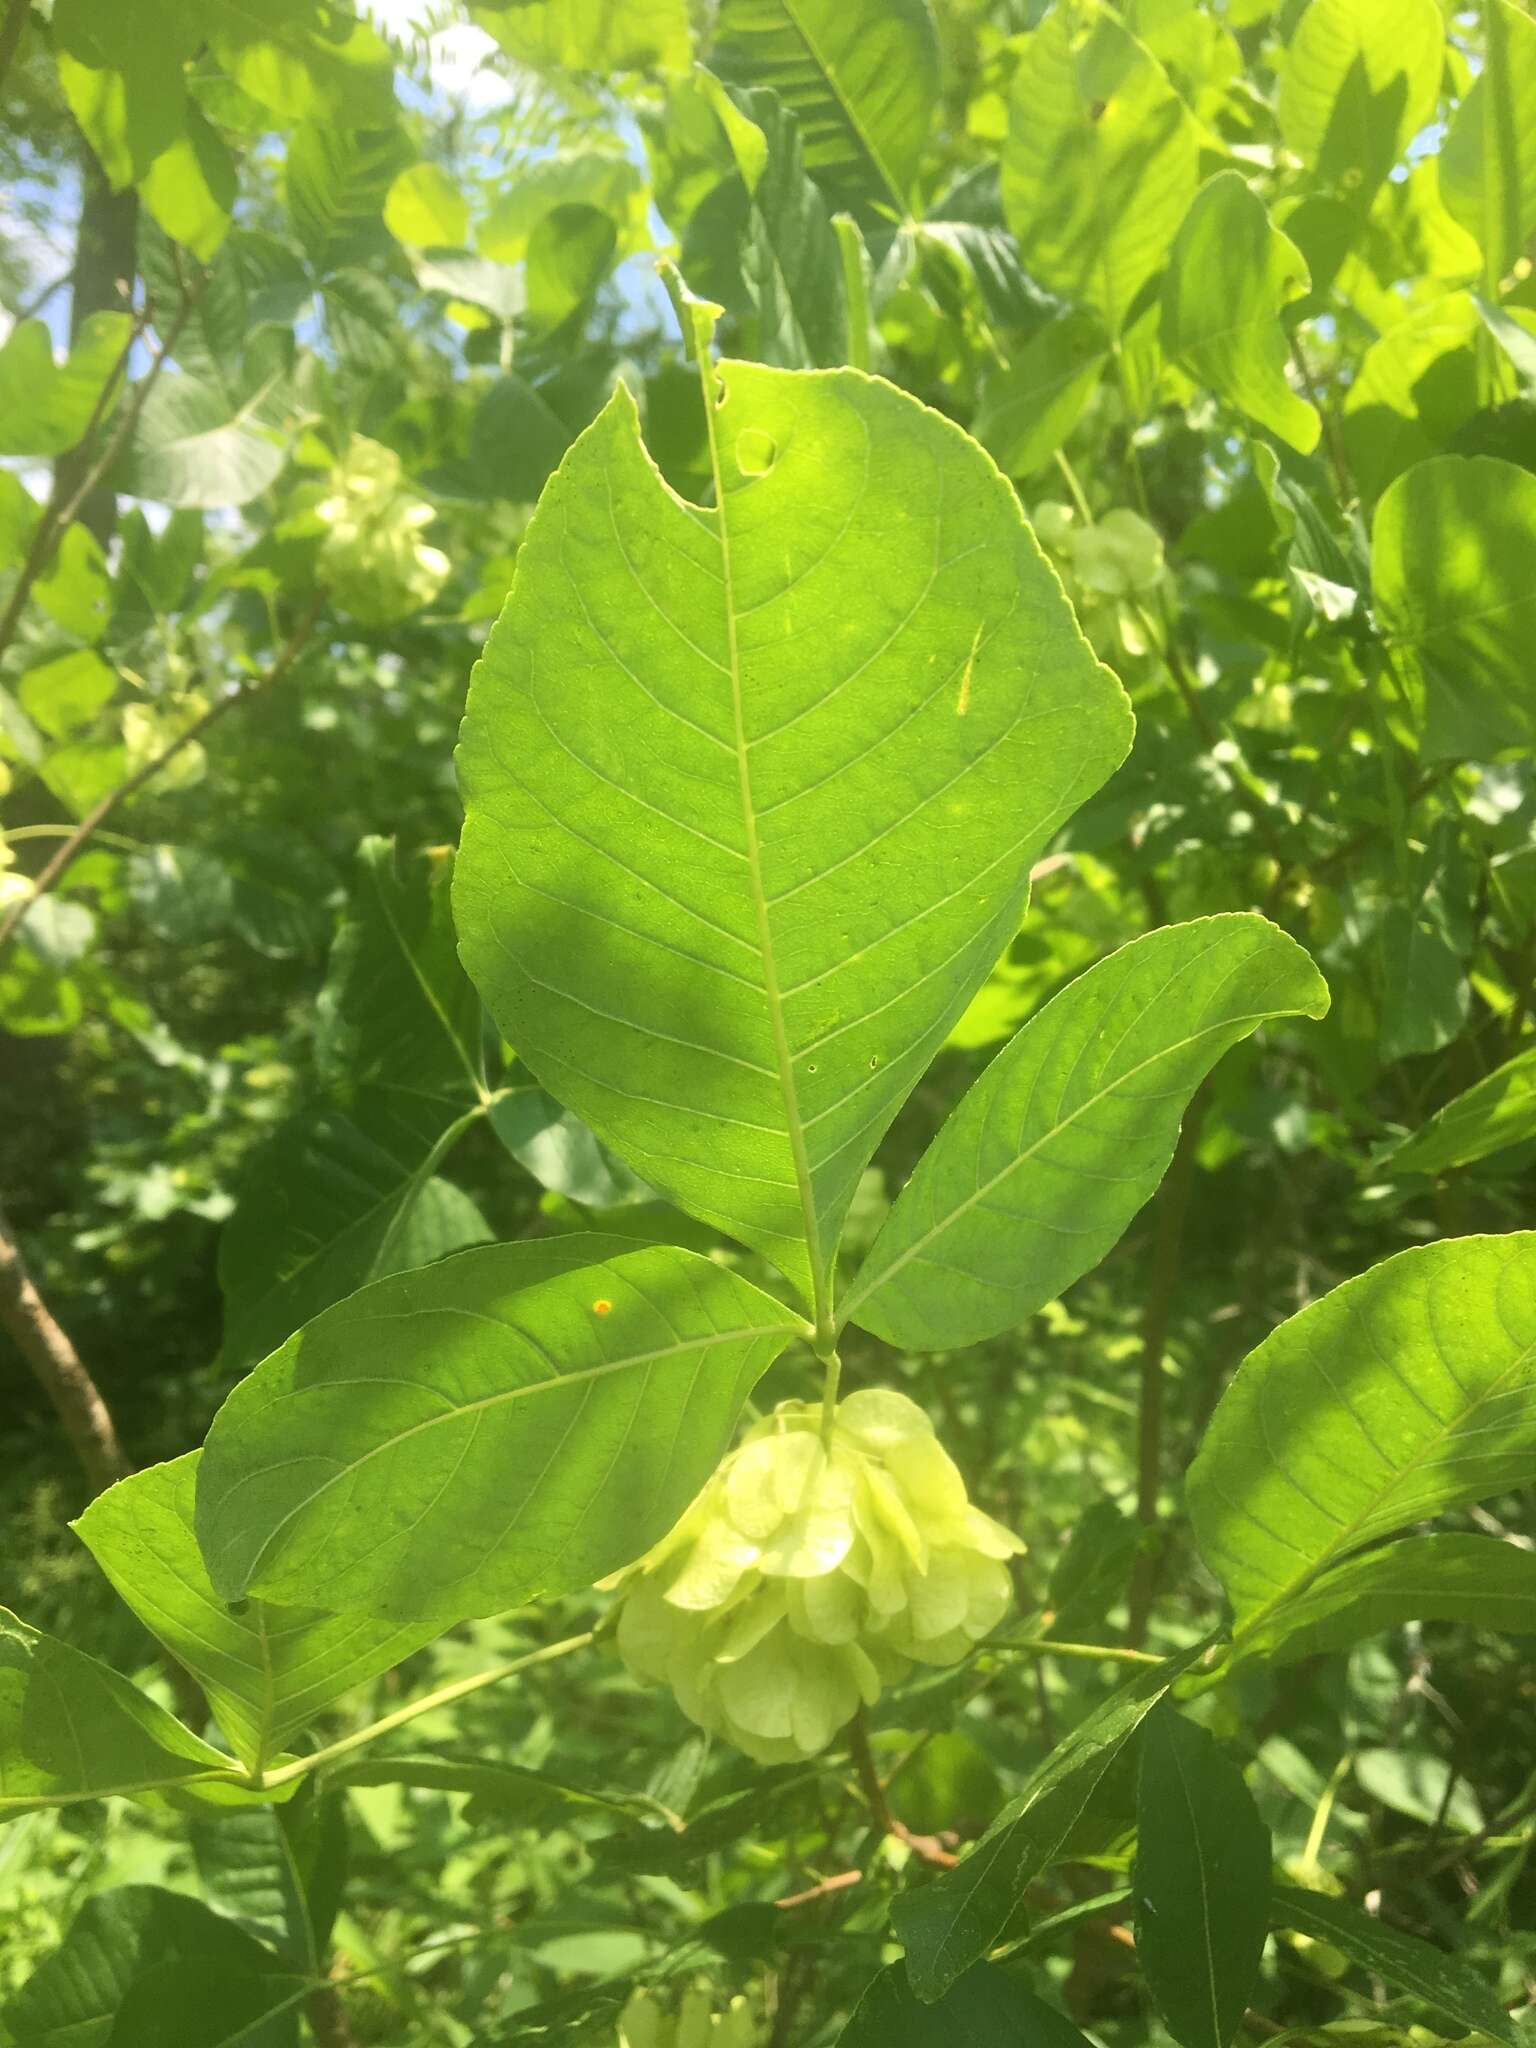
1359	80
268	1671
336	1198
190	448
989	2009
761	243
515	1421
949	1923
1202	1881
1487	162
1425	997
1401	1960
1414	389
397	1010
560	1152
1493	1114
119	1937
1028	410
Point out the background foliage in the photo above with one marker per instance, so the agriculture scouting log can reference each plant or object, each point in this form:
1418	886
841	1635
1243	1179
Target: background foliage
307	310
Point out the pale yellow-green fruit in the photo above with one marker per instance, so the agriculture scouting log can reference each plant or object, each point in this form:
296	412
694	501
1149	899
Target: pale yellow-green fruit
809	1574
372	557
694	2022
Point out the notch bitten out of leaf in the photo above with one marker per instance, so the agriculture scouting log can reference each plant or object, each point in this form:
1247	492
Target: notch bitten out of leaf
732	866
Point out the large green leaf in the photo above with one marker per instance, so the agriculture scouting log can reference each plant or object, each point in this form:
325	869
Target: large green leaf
1101	161
1401	1960
1493	1114
1202	1881
986	2008
1451	577
267	1671
71	1728
515	1421
752	795
346	1190
337	1198
1228	281
1487	162
860	76
1444	1576
1404	1392
74	1997
951	1922
761	243
1068	1132
46	406
1359	79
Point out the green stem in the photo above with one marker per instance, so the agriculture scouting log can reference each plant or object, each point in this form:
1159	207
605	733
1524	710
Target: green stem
1173	1209
834	1373
443	1697
1079	495
1094	1653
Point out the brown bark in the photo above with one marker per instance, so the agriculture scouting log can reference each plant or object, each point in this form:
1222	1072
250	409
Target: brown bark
105	265
59	1369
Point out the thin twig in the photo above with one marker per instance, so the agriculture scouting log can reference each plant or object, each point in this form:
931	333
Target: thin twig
64	503
1173	1210
828	1887
59	1370
103	808
872	1786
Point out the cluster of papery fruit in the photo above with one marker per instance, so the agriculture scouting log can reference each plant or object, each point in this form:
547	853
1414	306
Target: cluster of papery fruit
696	2023
815	1567
372	557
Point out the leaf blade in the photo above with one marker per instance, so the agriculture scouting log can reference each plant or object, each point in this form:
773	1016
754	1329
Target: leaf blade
1099	1078
1202	1881
1444	1981
351	1491
1426	1346
949	1924
758	917
267	1671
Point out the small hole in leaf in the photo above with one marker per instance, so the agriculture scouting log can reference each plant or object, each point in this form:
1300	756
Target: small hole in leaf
602	1308
756	452
874	1060
810	1066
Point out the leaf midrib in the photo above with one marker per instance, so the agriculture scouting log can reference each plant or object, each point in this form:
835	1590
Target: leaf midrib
794	1122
